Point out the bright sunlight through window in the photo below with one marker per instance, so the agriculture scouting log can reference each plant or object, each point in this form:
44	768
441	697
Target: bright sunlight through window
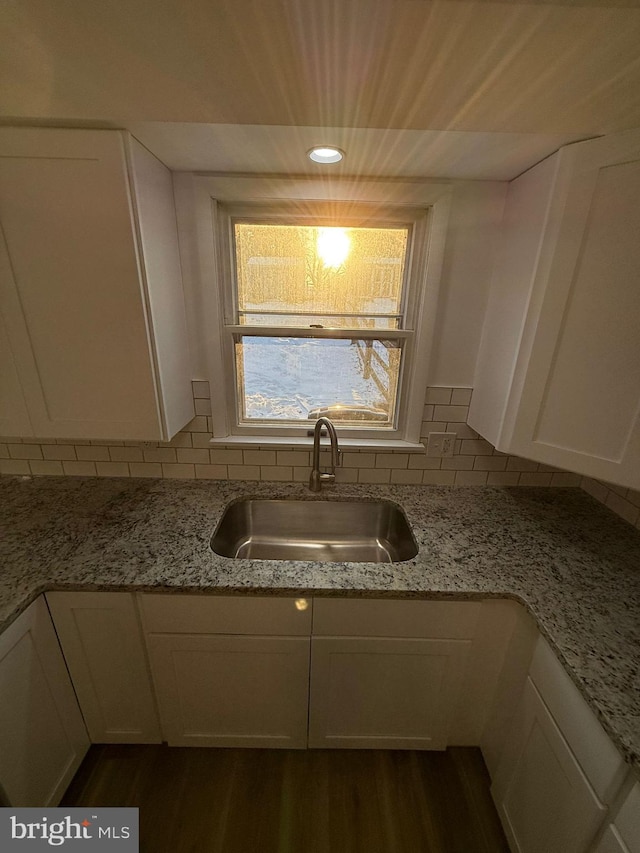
333	246
319	320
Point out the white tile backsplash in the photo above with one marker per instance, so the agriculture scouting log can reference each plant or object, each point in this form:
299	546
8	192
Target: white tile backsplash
178	471
16	466
189	455
112	469
192	455
457	414
145	469
624	502
125	454
212	472
93	454
79	469
439	396
44	469
58	451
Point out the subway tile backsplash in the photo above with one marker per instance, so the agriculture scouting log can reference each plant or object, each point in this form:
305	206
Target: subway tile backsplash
624	502
188	455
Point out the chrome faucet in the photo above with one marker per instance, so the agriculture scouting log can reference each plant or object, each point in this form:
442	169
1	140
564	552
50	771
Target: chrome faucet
317	478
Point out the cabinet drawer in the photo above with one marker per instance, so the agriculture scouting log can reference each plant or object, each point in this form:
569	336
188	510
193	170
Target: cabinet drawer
383	617
202	614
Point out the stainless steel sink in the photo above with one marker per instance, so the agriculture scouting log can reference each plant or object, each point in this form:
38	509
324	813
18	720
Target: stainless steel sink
326	531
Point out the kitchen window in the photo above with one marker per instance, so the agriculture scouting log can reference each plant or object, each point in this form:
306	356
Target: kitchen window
323	308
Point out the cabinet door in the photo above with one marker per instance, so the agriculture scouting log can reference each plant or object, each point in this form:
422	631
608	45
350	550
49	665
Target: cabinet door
623	834
73	300
231	690
14	418
544	800
575	398
42	734
102	644
627	819
612	843
374	693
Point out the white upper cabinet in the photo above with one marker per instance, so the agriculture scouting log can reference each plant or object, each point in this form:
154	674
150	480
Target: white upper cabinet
91	290
558	375
14	417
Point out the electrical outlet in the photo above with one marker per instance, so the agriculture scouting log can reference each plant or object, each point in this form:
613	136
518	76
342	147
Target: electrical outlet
441	444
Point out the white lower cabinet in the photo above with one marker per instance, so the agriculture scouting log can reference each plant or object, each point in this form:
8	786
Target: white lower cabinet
622	835
612	842
544	800
558	770
103	646
232	690
374	693
230	671
387	674
373	673
42	734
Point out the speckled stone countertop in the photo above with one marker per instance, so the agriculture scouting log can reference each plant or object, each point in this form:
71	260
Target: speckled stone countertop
573	564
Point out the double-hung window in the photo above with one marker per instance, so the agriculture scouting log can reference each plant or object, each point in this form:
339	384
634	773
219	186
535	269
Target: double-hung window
320	316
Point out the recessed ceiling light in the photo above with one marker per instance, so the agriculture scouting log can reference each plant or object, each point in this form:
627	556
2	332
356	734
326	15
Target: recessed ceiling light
325	154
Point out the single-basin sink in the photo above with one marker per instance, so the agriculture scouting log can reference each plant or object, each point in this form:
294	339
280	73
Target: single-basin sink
324	530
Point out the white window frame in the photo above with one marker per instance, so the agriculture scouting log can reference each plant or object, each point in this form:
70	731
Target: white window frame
424	206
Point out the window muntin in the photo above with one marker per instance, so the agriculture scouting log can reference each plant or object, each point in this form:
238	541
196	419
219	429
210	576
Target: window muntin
378	322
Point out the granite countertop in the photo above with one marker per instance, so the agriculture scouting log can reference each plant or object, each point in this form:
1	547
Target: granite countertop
572	563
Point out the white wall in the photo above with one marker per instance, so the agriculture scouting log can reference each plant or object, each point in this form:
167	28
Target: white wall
476	213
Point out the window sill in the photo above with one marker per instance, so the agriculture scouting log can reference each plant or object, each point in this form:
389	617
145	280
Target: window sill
306	443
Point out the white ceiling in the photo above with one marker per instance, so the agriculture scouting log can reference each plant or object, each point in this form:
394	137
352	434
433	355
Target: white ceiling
435	88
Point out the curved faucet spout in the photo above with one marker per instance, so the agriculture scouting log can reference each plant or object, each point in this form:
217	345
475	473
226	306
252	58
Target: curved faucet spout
317	478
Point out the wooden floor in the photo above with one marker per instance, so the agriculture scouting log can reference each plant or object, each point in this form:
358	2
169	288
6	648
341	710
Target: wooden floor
286	801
